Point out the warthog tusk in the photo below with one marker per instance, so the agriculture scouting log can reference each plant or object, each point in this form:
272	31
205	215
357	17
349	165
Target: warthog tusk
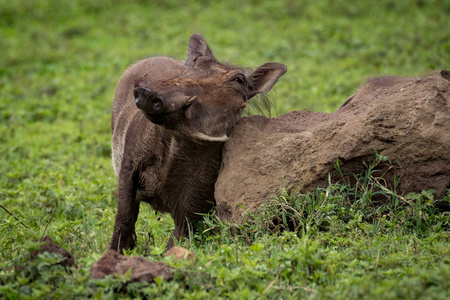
204	137
190	100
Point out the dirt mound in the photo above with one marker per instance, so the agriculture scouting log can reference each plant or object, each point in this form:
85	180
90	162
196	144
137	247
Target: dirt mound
51	247
406	119
141	269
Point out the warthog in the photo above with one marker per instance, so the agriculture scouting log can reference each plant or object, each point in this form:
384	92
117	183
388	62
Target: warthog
169	121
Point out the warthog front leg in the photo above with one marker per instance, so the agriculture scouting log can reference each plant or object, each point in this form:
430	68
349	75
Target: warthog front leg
180	231
124	236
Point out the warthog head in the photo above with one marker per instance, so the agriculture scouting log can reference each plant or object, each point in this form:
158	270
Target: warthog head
200	97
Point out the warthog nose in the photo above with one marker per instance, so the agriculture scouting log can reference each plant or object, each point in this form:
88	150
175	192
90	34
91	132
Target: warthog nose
147	100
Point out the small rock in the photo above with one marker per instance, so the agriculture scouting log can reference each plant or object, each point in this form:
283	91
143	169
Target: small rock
141	269
180	253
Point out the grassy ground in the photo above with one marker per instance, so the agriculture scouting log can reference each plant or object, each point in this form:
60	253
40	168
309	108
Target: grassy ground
60	61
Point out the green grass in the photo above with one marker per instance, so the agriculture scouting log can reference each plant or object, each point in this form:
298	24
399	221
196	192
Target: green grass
59	63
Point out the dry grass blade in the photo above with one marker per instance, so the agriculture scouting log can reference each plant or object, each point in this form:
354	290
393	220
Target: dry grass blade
48	223
20	222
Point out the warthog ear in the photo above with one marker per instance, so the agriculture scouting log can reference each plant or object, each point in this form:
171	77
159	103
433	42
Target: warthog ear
264	78
196	49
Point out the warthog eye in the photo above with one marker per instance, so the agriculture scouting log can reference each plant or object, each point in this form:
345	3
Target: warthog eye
239	79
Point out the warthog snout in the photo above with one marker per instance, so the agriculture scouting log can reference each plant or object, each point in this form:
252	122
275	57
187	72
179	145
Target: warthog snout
154	106
148	100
